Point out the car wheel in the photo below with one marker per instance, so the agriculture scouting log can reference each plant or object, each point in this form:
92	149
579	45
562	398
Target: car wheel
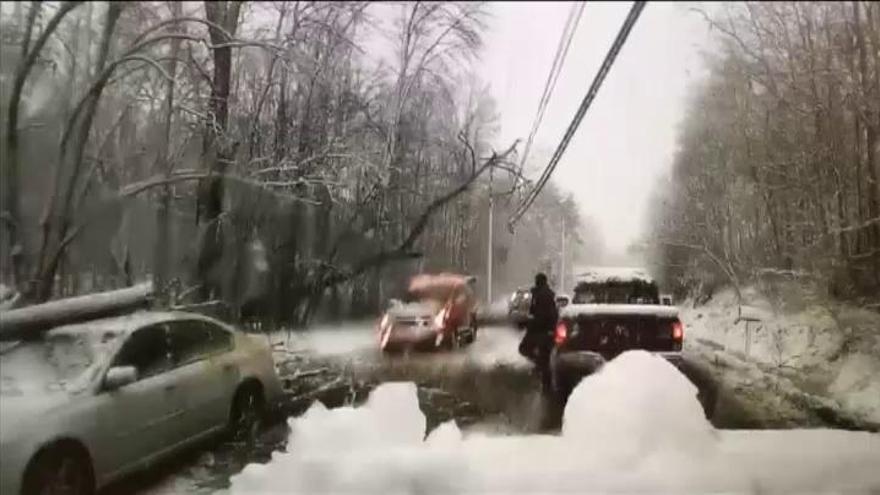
469	336
447	342
247	411
59	471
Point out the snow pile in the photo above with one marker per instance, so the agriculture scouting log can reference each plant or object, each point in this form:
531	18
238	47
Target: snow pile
827	350
857	385
357	450
630	387
636	426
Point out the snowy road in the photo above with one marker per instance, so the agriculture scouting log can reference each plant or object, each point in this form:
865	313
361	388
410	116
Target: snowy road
486	388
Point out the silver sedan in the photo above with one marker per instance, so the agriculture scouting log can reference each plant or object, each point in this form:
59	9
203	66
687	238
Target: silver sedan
88	403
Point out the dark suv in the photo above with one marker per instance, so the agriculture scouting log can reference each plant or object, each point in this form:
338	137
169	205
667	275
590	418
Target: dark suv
610	313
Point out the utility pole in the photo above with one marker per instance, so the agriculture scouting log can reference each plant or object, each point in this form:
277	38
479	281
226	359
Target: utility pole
562	260
489	249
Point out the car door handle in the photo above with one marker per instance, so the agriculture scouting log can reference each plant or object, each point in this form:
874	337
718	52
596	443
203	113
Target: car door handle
170	387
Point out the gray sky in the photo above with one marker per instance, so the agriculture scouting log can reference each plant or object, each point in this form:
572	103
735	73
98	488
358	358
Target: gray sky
628	136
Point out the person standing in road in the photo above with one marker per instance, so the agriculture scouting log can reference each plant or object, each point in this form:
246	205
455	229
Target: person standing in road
543	314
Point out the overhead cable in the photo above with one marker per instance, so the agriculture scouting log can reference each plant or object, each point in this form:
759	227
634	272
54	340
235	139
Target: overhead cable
558	61
610	57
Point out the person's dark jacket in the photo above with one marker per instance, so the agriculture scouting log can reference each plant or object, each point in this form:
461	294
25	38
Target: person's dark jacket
543	308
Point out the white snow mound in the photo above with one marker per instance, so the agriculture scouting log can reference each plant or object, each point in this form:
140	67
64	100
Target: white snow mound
647	404
634	427
857	385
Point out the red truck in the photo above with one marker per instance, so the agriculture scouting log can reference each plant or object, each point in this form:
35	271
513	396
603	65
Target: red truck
439	313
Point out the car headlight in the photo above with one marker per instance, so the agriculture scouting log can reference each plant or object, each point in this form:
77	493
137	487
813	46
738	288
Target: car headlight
440	319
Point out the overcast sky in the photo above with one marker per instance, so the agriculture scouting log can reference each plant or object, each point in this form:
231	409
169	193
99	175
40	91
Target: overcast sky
628	136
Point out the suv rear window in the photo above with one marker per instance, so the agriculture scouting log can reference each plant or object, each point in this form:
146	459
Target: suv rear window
635	292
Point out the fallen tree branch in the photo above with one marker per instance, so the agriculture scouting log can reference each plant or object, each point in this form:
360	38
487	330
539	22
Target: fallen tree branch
404	249
859	226
320	390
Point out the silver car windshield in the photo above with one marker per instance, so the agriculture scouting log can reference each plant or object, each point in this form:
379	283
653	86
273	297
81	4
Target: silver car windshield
54	363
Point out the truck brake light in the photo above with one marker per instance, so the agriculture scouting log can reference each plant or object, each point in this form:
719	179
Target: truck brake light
561	333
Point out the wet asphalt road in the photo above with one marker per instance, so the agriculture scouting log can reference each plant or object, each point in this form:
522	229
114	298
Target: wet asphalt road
485	387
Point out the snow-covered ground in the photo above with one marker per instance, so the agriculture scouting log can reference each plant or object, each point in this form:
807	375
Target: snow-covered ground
494	346
634	427
825	352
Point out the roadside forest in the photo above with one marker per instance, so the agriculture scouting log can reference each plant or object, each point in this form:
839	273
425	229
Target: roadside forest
287	158
776	173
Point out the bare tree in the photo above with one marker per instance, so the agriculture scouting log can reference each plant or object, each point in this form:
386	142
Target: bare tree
10	168
777	164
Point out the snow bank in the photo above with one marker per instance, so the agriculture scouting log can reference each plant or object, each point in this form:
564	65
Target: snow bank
636	426
828	350
805	339
857	385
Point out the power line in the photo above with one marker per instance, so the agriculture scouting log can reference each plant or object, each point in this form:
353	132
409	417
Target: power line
622	35
571	24
610	57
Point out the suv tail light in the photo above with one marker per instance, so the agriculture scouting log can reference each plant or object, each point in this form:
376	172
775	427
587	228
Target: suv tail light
677	331
561	333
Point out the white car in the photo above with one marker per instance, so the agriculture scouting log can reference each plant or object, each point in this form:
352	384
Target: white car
562	300
88	403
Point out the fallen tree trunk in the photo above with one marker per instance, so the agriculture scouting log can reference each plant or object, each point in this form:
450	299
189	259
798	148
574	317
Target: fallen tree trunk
215	309
30	321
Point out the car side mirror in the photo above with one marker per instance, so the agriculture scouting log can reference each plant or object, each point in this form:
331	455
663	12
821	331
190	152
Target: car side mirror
120	376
